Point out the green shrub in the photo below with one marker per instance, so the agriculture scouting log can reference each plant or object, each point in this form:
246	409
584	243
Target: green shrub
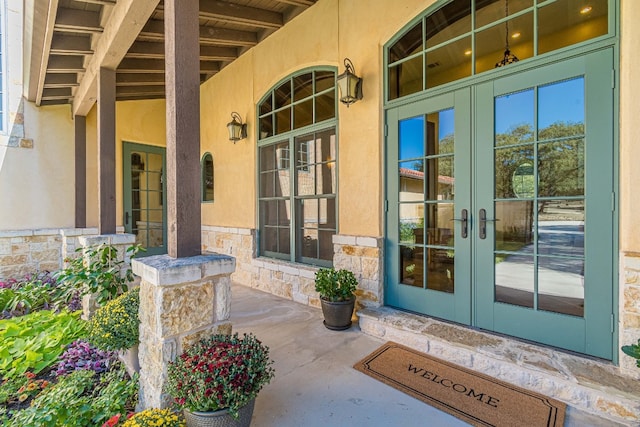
103	274
80	399
34	342
115	325
633	350
35	292
335	285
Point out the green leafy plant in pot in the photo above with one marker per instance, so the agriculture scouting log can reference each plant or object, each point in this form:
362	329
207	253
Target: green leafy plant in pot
337	296
219	378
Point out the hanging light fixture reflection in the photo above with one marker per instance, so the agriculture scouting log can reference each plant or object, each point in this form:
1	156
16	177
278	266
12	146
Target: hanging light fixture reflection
508	57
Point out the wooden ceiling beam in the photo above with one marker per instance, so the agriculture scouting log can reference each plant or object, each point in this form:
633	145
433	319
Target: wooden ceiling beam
77	21
239	14
65	64
60	80
64	44
305	3
137	79
154	31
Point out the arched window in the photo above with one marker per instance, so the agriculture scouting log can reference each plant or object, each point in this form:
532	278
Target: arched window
207	177
297	147
468	37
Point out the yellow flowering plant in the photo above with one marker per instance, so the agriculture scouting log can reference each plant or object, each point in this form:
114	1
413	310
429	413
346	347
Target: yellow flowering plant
155	417
115	325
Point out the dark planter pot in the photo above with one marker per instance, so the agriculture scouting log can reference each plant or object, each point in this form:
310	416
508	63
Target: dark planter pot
337	315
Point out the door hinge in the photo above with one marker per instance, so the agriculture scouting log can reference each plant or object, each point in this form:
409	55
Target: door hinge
386	206
386	130
613	202
613	79
613	323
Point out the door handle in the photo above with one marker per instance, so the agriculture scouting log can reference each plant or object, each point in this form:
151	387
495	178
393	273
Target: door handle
482	222
464	222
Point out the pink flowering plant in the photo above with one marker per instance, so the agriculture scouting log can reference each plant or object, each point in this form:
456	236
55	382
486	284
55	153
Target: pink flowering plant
220	372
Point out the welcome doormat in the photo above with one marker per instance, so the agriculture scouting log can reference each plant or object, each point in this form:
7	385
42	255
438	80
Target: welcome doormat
473	397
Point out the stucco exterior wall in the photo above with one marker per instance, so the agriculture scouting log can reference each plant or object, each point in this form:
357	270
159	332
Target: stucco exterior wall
629	129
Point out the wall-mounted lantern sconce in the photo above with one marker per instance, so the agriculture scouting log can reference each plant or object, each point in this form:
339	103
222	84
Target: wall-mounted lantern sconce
349	84
237	129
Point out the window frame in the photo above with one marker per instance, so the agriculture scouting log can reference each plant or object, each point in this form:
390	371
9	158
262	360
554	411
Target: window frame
291	163
203	178
601	41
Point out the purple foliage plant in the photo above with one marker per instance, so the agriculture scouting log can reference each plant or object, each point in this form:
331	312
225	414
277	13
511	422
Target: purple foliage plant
80	355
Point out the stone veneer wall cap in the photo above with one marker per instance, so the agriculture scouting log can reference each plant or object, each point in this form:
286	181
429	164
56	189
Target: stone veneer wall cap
370	242
289	270
163	270
121	239
93	240
46	231
90	231
71	232
339	239
16	233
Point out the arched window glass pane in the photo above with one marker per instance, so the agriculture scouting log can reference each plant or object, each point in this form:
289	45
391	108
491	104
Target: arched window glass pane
564	23
207	178
447	45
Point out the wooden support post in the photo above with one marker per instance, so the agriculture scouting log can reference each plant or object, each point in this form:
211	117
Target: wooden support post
81	171
106	151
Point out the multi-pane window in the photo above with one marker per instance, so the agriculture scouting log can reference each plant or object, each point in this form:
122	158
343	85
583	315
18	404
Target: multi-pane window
297	173
468	37
207	177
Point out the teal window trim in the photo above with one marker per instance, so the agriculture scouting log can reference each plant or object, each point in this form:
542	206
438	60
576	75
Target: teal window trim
291	163
203	178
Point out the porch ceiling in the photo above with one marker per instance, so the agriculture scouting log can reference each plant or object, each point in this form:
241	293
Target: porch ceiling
70	40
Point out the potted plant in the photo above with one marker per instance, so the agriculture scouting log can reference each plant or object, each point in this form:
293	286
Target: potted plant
216	380
115	326
337	296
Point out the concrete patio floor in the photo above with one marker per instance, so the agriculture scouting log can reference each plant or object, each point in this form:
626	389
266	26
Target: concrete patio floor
315	384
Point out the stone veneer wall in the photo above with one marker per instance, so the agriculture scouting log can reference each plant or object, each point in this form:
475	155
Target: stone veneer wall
629	322
24	252
361	255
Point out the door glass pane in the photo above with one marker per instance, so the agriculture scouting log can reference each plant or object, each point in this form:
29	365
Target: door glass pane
411	223
440	225
514	222
411	181
440	127
561	109
513	172
561	285
440	272
514	279
514	114
283	121
411	138
324	80
566	22
266	105
561	227
561	168
282	94
440	180
411	265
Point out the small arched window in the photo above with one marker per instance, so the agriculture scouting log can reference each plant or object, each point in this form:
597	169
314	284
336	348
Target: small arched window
207	177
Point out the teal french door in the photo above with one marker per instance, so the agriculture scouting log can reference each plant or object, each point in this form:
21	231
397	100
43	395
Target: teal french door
500	205
144	195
